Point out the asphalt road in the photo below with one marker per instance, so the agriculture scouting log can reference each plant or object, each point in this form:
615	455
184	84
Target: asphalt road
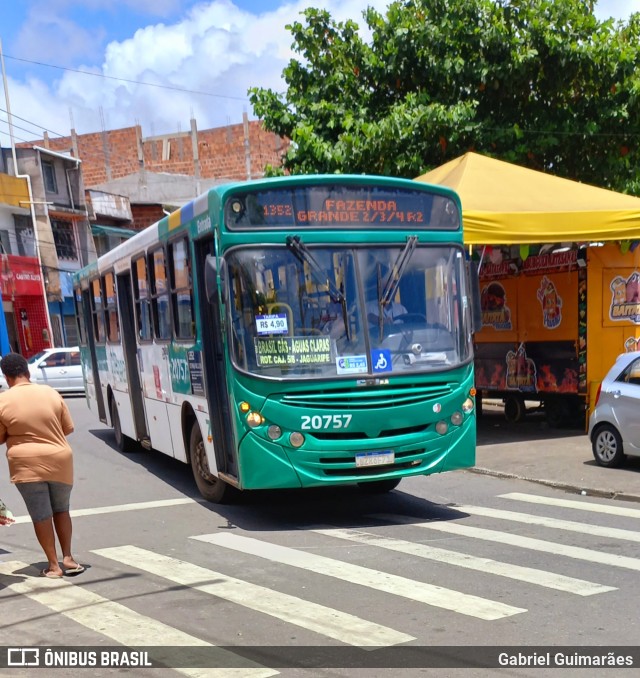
443	562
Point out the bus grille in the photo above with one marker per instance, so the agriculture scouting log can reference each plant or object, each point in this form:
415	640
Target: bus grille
359	435
368	398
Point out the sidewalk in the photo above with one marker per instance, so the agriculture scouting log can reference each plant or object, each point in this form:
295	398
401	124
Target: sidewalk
531	450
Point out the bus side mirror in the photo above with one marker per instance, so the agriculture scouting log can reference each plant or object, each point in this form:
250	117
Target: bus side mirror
210	278
474	284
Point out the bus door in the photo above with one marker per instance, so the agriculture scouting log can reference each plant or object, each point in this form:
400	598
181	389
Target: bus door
214	368
91	340
129	345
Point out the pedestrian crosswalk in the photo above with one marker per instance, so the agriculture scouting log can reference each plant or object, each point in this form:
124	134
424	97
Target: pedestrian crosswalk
402	544
363	576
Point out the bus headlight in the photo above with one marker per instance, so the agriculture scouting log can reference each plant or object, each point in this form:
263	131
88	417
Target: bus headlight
274	432
442	427
254	419
467	406
296	439
456	418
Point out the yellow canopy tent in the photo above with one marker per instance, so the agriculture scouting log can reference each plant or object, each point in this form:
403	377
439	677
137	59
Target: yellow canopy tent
506	204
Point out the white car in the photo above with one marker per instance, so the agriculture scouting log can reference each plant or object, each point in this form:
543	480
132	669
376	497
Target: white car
60	368
614	425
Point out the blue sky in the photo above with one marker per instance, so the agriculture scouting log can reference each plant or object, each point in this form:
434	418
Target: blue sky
215	49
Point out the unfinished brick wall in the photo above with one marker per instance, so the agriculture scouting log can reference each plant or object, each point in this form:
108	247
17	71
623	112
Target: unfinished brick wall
222	151
145	215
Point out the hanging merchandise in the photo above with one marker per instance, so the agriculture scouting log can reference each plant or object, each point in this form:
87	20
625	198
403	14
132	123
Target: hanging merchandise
495	255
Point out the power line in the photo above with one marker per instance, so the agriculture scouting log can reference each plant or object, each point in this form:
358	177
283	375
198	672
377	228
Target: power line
134	82
24	129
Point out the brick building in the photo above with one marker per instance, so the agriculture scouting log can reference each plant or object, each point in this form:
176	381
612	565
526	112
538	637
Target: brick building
234	152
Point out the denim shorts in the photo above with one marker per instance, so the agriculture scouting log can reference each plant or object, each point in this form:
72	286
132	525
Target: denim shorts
43	499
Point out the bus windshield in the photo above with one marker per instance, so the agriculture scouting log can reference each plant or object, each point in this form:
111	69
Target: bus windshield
301	312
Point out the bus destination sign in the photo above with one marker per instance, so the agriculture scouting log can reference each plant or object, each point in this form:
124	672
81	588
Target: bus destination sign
348	212
353	206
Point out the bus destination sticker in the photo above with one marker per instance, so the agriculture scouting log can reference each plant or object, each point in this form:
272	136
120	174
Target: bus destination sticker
293	351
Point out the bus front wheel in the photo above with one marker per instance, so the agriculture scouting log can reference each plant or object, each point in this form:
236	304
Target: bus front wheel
211	488
379	486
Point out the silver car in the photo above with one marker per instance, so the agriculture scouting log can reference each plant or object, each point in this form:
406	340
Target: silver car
614	424
60	368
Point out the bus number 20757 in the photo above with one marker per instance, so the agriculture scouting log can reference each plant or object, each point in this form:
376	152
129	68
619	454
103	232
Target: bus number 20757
325	421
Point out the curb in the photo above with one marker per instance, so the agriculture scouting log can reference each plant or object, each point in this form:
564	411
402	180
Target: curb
568	487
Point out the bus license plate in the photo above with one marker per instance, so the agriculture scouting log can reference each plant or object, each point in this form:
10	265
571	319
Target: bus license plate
375	458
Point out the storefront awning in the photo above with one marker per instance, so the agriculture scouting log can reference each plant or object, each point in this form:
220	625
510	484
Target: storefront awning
97	229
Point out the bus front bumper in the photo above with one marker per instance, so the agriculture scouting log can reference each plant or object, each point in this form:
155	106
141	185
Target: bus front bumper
268	465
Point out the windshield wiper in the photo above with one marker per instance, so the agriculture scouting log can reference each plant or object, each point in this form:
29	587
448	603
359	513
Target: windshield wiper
393	279
302	253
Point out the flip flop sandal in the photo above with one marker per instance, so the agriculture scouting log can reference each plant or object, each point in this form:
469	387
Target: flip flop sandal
74	570
50	575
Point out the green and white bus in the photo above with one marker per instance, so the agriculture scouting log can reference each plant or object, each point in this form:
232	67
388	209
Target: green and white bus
290	332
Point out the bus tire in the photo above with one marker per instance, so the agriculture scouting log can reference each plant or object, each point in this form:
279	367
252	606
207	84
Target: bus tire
124	443
379	486
211	488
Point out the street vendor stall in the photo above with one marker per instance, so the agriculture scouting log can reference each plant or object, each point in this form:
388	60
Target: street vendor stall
560	281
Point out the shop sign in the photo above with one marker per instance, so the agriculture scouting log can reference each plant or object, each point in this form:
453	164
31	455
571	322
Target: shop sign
493	304
554	262
551	303
625	298
20	276
521	371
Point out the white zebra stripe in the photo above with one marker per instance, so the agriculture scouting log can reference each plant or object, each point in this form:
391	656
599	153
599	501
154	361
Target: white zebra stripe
338	625
511	539
463	603
118	508
553	523
530	575
573	504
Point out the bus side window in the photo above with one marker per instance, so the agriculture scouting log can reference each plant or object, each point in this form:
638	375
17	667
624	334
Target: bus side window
141	290
97	311
113	325
181	292
160	296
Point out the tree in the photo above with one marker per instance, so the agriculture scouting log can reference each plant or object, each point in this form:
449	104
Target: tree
541	83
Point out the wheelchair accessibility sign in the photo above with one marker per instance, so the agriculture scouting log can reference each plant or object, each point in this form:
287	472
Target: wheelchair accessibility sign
381	360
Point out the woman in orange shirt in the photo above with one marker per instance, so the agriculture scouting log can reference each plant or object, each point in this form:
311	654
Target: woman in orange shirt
34	423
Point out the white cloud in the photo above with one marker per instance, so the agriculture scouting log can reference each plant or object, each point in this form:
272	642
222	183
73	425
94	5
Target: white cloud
215	47
48	36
